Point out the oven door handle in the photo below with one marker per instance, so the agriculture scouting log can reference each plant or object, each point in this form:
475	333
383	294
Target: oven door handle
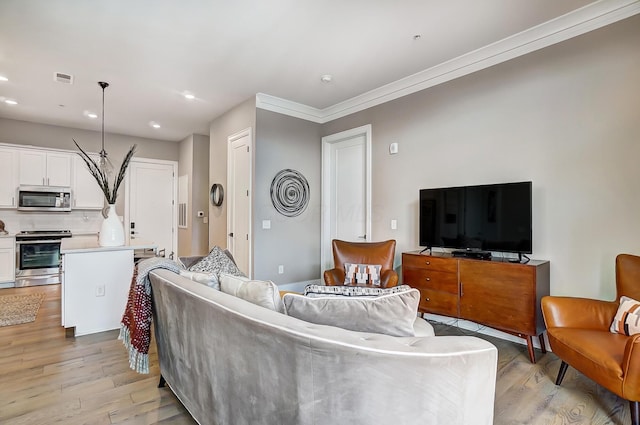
41	241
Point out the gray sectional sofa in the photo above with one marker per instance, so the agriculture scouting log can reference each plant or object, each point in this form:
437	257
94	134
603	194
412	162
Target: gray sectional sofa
231	362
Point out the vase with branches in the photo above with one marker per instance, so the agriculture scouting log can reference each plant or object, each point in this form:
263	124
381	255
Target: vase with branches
102	177
111	232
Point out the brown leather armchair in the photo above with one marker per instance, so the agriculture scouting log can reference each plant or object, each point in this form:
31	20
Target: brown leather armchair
578	331
382	253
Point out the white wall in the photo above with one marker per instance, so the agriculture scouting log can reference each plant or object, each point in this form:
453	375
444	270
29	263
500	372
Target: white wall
565	117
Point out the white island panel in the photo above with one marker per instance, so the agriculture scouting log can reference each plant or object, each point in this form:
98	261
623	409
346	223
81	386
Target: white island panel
95	283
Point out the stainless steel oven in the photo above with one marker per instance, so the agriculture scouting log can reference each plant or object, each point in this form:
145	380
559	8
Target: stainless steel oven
38	257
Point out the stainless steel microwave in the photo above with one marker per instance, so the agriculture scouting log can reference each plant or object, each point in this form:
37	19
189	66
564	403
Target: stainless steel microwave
44	198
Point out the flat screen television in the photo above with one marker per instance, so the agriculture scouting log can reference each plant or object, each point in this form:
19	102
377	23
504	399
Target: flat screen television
493	217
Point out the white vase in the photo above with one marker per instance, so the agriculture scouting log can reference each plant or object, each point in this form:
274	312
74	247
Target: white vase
111	232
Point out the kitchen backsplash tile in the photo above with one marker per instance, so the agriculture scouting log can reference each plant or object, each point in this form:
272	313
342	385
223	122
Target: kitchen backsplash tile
88	221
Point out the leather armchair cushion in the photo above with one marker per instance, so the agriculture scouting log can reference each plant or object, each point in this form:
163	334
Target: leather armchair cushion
627	319
392	314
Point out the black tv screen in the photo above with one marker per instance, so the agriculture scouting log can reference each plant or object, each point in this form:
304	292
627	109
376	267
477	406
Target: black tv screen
494	217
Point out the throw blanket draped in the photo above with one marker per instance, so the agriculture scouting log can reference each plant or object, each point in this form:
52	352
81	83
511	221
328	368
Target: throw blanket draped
135	327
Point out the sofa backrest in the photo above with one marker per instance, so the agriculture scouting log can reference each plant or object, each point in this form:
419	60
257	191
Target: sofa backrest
233	362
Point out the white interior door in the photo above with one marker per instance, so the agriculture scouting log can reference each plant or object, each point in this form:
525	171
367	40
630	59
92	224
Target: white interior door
151	210
239	215
346	194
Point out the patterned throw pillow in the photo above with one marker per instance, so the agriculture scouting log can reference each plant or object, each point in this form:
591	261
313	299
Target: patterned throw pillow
627	320
214	263
362	274
317	291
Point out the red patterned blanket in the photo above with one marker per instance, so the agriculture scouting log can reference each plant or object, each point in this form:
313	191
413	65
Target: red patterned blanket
135	327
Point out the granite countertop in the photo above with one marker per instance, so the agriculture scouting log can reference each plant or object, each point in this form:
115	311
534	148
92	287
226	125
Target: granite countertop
77	244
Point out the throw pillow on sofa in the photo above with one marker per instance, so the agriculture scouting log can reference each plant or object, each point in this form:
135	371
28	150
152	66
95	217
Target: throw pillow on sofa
392	314
259	292
315	291
208	279
214	263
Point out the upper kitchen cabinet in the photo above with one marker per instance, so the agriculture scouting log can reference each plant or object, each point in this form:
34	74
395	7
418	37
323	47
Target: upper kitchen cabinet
86	192
8	177
39	168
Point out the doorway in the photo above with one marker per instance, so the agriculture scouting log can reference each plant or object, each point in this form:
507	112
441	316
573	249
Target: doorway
150	207
346	190
239	169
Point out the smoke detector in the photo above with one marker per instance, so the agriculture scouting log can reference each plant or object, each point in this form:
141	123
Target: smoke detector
61	77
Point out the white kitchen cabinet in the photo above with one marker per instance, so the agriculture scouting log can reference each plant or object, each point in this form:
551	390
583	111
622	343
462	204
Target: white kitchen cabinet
8	177
7	260
86	192
38	168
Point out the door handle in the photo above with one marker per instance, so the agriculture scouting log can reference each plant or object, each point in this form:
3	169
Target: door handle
362	237
231	234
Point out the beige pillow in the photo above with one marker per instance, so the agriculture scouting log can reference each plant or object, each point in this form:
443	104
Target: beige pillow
208	279
391	314
259	292
627	319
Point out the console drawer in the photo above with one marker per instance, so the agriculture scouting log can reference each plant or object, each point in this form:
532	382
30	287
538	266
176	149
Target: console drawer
438	302
430	279
428	262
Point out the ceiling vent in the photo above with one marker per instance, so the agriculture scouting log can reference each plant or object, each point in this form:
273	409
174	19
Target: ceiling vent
61	77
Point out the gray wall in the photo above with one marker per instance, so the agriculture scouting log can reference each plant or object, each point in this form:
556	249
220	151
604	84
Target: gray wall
237	119
294	242
566	118
194	163
116	145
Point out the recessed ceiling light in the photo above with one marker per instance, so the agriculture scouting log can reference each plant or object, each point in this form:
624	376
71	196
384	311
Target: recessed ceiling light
154	124
326	78
3	78
189	96
90	114
417	37
10	102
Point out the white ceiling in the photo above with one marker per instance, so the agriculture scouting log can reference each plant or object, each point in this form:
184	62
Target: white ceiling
224	52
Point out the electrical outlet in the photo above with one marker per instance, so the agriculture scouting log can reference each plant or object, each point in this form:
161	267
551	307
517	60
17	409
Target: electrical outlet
394	224
280	269
100	291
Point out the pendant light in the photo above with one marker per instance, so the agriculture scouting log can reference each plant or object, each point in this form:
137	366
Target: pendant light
106	167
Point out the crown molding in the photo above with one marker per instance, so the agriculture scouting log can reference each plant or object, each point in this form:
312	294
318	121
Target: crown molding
589	18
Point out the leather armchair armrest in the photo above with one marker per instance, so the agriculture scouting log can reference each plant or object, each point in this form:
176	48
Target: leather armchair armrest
334	277
582	313
631	369
388	278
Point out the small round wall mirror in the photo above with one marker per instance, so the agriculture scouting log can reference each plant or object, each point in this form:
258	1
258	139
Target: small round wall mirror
216	194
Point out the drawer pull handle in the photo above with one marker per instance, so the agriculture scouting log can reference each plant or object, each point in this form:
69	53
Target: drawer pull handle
427	262
428	279
427	299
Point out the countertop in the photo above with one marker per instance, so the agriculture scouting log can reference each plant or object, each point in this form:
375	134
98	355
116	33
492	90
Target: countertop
8	235
79	244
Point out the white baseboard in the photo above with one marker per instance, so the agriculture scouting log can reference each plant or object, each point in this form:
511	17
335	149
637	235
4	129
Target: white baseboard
7	285
299	286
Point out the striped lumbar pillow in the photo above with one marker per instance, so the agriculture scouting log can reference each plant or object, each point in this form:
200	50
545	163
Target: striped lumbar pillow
627	320
362	274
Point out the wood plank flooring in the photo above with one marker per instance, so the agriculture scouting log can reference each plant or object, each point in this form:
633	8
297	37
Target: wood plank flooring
46	378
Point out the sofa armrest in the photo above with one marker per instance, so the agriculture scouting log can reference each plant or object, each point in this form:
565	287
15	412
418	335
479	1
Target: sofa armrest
334	277
582	313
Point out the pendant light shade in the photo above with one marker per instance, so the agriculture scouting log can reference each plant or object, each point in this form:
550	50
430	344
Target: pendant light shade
106	167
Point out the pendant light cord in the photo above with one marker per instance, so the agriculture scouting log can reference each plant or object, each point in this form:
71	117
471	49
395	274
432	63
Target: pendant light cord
103	153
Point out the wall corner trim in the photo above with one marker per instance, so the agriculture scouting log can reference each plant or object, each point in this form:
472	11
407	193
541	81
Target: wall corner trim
580	21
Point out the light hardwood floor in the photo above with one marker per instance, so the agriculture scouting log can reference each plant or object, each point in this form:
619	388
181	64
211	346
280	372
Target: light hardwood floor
46	378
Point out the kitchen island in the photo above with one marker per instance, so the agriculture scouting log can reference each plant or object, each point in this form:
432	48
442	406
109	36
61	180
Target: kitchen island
95	283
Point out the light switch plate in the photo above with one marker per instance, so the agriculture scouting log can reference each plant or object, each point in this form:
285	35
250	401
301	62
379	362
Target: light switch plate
266	224
394	224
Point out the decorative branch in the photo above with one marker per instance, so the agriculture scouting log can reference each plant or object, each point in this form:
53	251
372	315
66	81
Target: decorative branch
102	178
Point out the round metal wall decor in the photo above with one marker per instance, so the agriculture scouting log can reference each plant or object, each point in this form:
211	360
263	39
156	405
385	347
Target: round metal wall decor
289	192
216	194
